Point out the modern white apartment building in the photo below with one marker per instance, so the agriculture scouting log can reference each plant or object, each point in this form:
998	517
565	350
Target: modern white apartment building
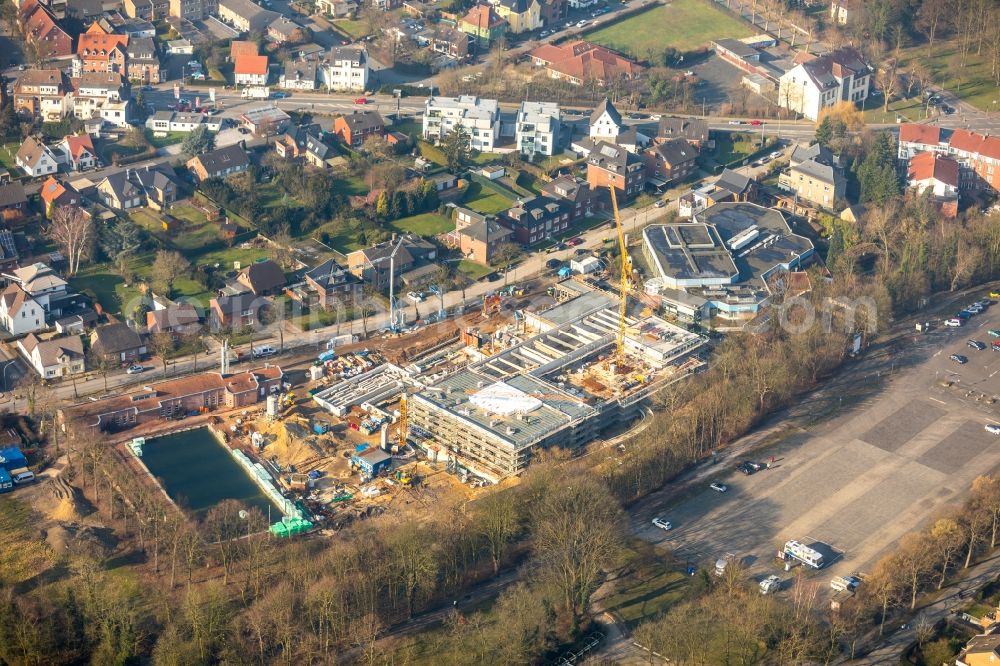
538	128
346	69
480	118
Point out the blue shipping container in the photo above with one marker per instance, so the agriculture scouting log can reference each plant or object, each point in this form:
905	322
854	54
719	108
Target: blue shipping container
6	483
12	458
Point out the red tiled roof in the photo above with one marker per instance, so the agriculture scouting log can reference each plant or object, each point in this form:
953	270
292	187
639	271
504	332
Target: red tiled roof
484	17
251	64
51	190
583	60
95	43
926	166
238	49
77	144
914	133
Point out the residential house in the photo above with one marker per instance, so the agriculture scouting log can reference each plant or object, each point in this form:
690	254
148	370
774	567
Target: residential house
609	165
42	93
119	192
165	400
292	144
373	264
13	203
177	319
79	152
193	10
300	74
262	278
443	181
163	122
356	127
76	323
337	8
20	314
576	195
319	153
9	256
35	158
219	163
265	120
670	161
521	15
819	82
978	155
54	193
283	30
235	312
143	61
246	16
981	650
735	186
102	51
554	11
42	284
346	69
450	41
330	283
96	93
59	357
40	27
479	117
538	128
938	176
483	24
814	175
693	130
251	70
581	61
83	10
843	12
536	219
154	186
117	341
479	236
605	122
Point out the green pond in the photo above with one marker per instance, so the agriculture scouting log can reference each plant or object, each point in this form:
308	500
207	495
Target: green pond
198	472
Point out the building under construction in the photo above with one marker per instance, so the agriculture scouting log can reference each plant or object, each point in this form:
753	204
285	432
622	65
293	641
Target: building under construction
560	387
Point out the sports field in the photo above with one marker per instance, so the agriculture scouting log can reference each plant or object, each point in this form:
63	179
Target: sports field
682	24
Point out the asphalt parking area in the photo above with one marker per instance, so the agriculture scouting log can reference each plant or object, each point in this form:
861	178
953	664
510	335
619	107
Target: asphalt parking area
860	480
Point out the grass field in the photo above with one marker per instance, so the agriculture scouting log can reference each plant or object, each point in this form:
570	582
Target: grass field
486	199
473	270
972	83
160	141
425	224
196	233
349	187
22	555
355	28
683	24
8	153
648	589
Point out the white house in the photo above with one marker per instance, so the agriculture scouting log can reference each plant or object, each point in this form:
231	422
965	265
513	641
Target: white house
173	121
538	128
937	173
823	81
19	312
299	75
59	357
35	158
605	122
346	69
40	282
479	117
250	70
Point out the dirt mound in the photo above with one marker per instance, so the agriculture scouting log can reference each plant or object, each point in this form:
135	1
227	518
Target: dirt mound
74	539
65	511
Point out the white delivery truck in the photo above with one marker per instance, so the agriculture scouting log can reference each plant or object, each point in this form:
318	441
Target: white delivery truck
723	562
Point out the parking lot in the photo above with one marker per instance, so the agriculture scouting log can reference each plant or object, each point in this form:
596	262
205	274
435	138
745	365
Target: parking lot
855	483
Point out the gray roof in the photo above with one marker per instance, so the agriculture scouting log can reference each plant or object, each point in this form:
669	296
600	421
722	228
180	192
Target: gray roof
690	251
355	55
738	48
159	176
327	273
141	47
487	230
675	151
258	17
734	181
818	171
115	339
304	70
12	194
816	152
575	308
610	157
220	159
122	187
606	105
360	121
693	129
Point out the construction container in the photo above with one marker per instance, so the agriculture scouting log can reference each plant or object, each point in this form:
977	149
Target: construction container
12	458
6	483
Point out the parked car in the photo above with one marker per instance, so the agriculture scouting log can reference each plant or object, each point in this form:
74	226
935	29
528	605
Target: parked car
993	429
747	468
770	584
663	524
264	351
976	344
958	358
553	263
281	95
415	296
775	155
955	322
134	369
660	203
756	123
735	122
361	100
719	487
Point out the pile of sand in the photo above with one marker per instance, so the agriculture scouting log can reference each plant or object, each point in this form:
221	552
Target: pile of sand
65	511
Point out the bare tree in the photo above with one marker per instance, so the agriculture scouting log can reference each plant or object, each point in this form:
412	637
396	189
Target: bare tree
72	229
167	267
161	344
498	521
986	493
946	539
913	558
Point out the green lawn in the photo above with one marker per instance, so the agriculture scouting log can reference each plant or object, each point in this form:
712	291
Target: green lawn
911	109
8	152
973	83
426	224
349	187
355	28
473	270
487	158
648	588
160	141
730	147
432	153
196	233
486	198
410	128
682	24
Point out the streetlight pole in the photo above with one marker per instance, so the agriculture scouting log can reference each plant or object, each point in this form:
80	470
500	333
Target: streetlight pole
5	367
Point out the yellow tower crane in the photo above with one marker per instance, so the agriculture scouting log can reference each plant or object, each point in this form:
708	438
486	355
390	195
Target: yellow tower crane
626	276
404	425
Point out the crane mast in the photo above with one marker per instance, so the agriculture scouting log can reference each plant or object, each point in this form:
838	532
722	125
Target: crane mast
626	275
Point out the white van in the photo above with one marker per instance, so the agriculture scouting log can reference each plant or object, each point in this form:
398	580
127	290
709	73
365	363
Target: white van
264	350
22	476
